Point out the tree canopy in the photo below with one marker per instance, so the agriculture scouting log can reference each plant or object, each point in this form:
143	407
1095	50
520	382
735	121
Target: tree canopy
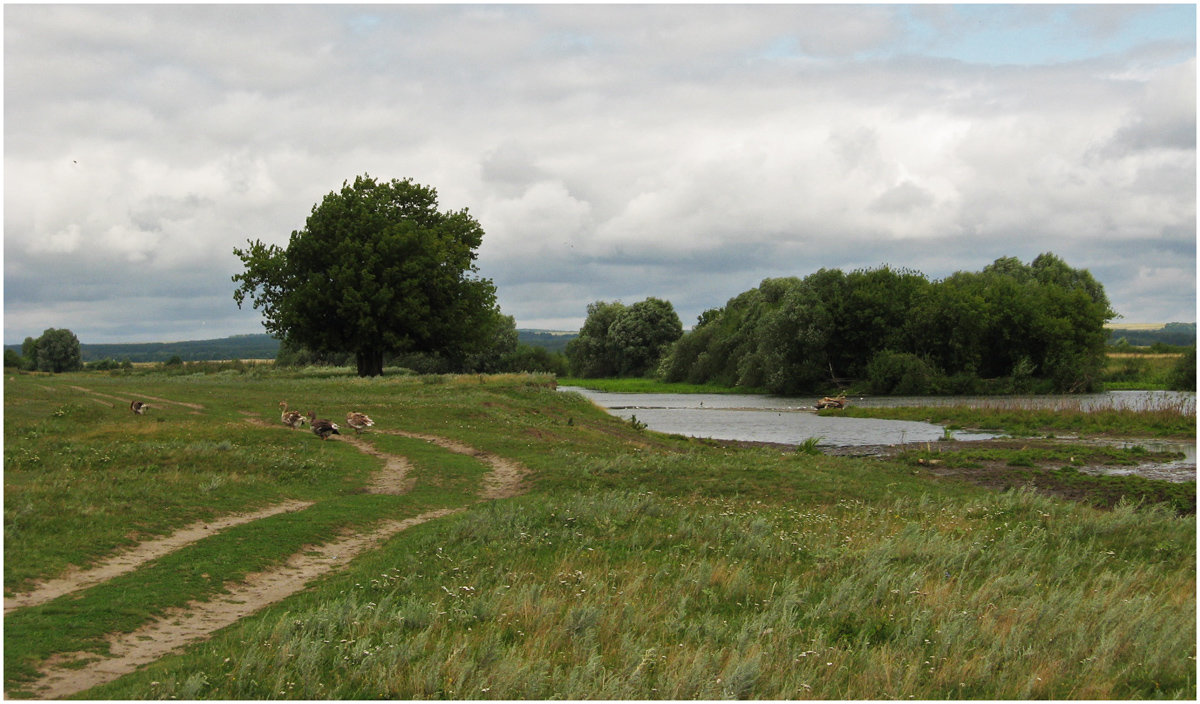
620	340
1018	321
377	270
57	350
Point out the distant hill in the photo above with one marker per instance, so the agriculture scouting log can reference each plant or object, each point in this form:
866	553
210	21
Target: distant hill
551	340
260	346
1143	335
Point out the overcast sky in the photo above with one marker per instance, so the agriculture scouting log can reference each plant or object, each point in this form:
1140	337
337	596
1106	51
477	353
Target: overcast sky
610	153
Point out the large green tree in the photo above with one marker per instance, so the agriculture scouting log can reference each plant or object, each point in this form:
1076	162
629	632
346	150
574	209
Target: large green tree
377	270
620	340
55	351
642	333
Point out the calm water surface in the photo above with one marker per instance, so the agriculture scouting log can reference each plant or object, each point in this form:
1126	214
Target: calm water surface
761	419
790	420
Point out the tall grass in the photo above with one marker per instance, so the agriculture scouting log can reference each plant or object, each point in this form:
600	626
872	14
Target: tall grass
631	595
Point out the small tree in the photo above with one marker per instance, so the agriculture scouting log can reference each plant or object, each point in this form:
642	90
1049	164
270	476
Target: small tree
29	354
377	270
591	354
1183	375
12	358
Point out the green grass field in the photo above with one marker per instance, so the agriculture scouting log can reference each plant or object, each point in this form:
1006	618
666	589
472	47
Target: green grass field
632	565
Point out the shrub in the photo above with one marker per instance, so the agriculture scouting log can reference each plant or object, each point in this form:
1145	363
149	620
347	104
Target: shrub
1183	375
900	373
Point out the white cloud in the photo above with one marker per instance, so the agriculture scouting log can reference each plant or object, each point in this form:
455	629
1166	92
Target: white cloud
609	151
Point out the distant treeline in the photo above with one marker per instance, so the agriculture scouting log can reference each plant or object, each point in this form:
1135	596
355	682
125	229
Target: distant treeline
259	346
551	341
237	347
1174	334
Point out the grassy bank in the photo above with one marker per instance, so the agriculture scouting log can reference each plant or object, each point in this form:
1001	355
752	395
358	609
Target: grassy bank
1067	419
1136	371
788	575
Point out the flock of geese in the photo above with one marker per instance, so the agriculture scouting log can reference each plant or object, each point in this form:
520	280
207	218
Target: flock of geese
323	428
294	419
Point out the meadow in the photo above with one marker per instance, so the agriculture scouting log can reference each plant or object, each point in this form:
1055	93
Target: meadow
628	565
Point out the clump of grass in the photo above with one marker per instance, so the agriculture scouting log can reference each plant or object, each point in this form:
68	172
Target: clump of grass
809	446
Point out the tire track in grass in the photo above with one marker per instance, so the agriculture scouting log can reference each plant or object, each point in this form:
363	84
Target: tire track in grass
185	404
198	620
70	673
128	560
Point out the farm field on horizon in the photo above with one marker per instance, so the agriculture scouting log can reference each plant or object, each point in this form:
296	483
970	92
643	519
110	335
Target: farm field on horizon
491	537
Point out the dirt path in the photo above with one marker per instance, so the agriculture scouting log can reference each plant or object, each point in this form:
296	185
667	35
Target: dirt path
506	478
393	477
67	674
128	560
198	620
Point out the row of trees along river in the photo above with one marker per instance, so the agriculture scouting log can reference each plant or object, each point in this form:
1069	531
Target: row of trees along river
1010	328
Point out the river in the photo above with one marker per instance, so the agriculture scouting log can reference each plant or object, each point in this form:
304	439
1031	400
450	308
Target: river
791	420
761	418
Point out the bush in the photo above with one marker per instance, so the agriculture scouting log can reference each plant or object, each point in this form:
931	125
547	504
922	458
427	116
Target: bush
900	373
104	365
1183	375
528	358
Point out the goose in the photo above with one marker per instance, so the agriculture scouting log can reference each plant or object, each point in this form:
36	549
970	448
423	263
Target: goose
358	421
292	419
320	427
138	407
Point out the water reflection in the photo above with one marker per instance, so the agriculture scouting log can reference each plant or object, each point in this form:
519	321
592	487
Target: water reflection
760	418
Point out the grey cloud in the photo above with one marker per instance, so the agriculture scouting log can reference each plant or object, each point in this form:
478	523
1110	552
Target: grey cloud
609	151
902	198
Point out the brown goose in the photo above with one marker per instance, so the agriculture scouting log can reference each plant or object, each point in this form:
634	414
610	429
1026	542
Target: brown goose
320	427
358	421
292	419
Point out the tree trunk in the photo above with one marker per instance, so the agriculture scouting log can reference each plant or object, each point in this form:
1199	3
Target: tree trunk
370	362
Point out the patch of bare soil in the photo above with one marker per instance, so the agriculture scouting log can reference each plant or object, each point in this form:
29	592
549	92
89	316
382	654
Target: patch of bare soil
198	620
128	560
